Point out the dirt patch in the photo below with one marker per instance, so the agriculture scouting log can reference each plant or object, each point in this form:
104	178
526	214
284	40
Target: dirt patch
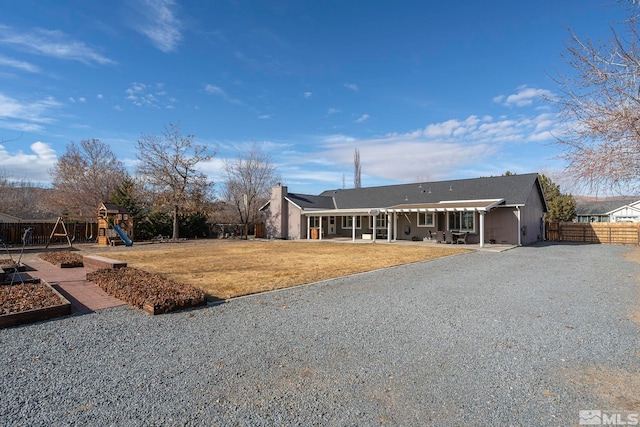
225	269
619	388
634	315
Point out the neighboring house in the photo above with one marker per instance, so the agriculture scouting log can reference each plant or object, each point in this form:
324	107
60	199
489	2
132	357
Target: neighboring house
9	218
504	209
618	210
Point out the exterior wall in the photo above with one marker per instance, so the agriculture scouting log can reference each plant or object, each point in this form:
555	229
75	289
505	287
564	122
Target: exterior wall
629	213
501	225
277	214
296	223
532	219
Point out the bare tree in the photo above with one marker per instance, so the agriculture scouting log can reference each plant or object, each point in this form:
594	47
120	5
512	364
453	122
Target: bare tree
85	176
248	181
357	170
600	104
167	165
23	199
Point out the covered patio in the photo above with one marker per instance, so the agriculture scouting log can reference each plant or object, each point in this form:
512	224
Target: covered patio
386	221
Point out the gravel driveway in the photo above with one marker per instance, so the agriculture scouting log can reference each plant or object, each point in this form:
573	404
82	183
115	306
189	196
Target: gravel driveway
524	337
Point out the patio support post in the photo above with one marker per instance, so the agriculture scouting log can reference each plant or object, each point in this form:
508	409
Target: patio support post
308	227
519	227
320	232
353	228
395	226
389	227
374	220
482	228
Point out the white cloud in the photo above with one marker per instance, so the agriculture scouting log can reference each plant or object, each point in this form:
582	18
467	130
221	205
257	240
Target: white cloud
51	43
331	111
157	20
450	149
99	96
523	97
26	116
141	94
351	86
31	166
307	94
20	65
217	90
213	89
264	116
362	118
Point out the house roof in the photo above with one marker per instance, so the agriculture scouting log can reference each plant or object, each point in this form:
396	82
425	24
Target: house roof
113	208
602	207
469	194
513	189
308	202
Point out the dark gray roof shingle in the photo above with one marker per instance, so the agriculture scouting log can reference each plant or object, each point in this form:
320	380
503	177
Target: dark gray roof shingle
515	189
306	201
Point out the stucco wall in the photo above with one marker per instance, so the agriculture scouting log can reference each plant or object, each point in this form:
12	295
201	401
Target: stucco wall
531	216
501	225
276	214
297	224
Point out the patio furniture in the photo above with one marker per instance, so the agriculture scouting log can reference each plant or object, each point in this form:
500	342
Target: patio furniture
439	236
448	236
461	238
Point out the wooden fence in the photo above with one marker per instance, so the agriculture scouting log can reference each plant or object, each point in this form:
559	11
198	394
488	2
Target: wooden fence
617	233
11	233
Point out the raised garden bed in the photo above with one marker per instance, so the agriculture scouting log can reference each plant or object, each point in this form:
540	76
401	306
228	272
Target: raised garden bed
30	302
8	265
150	292
62	259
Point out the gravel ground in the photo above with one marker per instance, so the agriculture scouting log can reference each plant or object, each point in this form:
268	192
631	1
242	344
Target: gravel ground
475	339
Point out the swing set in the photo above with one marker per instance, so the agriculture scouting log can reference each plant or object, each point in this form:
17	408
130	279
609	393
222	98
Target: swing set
60	230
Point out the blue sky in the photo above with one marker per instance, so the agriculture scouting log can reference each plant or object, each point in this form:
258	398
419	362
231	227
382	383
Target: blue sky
425	90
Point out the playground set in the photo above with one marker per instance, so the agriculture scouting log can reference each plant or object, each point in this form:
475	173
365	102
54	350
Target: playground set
115	225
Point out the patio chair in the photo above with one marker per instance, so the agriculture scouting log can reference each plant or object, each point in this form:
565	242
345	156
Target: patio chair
439	237
448	236
462	239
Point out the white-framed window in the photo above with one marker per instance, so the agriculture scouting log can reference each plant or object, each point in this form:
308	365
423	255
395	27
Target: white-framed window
347	222
426	219
381	221
314	222
462	221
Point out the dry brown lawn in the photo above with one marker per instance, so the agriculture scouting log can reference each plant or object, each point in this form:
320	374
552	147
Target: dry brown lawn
225	269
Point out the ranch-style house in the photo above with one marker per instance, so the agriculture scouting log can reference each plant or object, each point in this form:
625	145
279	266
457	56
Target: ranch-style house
504	209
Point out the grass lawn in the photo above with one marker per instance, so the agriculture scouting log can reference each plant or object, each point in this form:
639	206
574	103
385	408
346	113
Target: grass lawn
230	268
